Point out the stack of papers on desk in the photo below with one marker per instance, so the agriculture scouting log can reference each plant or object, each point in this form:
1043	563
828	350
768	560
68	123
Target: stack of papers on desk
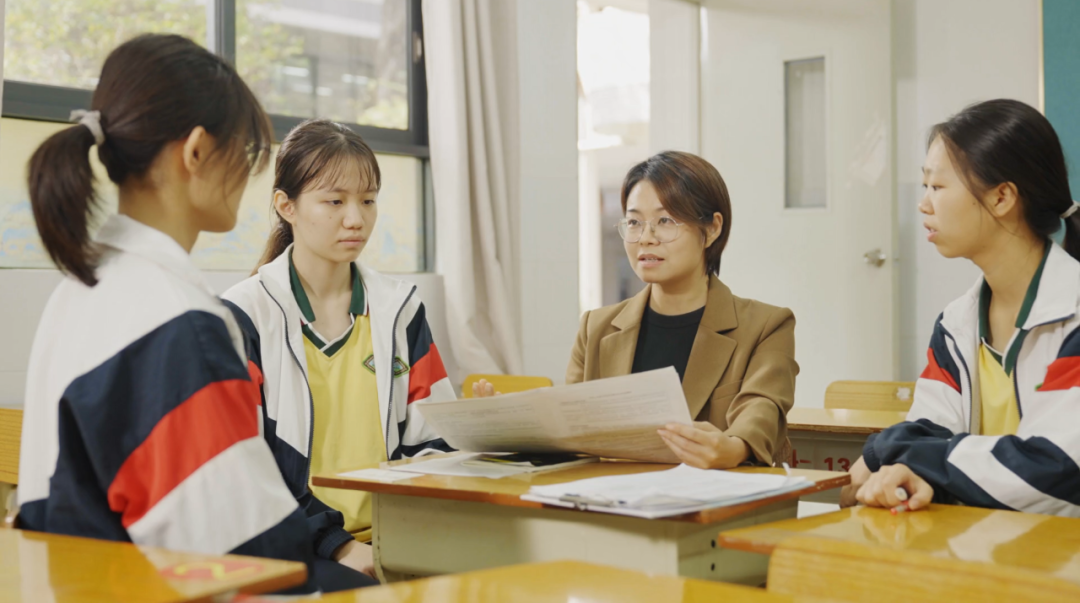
665	493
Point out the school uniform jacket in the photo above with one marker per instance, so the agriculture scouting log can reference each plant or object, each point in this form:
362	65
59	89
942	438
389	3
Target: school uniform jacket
1033	471
408	369
141	419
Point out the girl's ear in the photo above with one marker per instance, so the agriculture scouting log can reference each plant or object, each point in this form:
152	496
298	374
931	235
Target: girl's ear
196	148
286	207
713	230
1001	200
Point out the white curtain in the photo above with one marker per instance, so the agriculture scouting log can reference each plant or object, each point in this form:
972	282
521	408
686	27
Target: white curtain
466	45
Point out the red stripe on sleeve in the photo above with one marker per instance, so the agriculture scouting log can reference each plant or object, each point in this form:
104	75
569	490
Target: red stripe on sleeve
935	372
1062	374
255	374
206	424
427	371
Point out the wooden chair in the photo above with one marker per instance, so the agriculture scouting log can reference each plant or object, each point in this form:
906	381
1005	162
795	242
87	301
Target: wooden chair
10	440
856	573
505	384
870	395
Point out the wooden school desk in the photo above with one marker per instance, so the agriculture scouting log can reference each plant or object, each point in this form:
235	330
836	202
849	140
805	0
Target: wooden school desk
558	582
837	570
831	439
430	524
1041	543
40	567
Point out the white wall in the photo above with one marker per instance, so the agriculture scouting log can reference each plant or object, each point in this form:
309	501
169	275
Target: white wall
547	217
675	75
23	294
946	55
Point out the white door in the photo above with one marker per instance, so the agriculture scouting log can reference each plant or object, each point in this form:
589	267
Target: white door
815	75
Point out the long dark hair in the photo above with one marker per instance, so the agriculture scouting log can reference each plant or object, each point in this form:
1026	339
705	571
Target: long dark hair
314	153
692	190
154	90
1004	140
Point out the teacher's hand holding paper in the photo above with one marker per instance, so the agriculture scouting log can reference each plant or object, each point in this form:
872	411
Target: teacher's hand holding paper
704	446
484	389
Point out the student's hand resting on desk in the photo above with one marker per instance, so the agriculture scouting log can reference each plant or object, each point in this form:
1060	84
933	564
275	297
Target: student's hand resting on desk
880	489
704	446
358	556
483	389
859	474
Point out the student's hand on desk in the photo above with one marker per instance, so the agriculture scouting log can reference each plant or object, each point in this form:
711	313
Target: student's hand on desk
358	556
880	489
704	446
859	474
483	389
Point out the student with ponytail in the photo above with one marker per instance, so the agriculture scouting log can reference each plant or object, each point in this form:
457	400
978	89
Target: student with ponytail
996	415
141	418
345	350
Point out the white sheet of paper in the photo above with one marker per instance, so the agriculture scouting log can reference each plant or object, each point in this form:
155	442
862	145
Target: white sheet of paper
378	475
664	493
659	487
615	418
452	465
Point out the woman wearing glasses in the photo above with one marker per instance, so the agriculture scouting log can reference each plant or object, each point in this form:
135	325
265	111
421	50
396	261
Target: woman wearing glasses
735	356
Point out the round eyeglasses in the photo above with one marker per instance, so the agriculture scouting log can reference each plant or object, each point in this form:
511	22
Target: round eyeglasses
664	229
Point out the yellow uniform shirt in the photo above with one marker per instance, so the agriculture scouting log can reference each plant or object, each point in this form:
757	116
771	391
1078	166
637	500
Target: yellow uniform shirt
1000	412
998	404
348	428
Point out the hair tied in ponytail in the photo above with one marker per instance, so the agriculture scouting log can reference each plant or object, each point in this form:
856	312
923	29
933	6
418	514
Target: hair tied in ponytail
92	121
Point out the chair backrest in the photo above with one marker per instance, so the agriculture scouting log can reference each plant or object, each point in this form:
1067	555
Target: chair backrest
505	384
870	395
838	570
10	440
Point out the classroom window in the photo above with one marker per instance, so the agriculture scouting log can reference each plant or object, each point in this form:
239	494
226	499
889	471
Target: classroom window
358	62
614	112
805	145
64	42
345	60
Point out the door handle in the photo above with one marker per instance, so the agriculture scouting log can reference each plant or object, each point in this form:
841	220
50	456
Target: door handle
875	257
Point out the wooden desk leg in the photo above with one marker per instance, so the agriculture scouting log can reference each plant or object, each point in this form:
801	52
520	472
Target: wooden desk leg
416	537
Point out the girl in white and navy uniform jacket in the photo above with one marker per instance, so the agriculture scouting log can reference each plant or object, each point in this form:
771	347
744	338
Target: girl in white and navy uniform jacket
996	415
142	418
346	351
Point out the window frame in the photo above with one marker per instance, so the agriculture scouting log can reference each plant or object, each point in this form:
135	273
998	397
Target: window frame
44	102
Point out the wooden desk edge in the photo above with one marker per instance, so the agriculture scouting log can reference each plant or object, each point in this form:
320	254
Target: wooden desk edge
706	516
737	543
853	429
277	583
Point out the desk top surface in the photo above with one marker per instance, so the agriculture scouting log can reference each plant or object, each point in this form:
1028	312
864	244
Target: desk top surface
1043	543
507	491
48	567
559	581
839	420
